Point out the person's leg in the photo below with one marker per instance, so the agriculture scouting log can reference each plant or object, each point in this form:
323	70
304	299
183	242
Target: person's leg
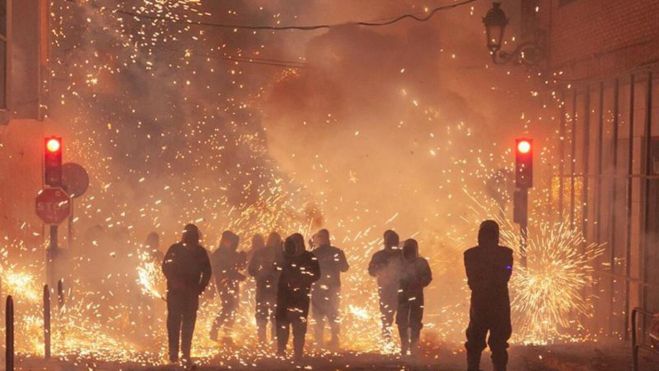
233	301
388	305
283	326
299	324
402	320
272	311
498	341
334	319
416	323
218	322
173	326
187	328
476	333
261	311
318	304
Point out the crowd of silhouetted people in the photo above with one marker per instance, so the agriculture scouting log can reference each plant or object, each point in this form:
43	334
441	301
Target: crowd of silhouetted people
293	281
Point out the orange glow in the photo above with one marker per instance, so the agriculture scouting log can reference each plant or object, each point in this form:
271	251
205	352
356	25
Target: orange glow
524	146
53	145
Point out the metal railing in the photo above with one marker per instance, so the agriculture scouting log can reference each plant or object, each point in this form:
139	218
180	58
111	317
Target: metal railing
9	334
636	346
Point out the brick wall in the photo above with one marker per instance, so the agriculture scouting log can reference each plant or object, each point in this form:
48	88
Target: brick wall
591	39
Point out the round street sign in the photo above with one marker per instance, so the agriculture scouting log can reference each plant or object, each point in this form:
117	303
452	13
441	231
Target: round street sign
74	179
53	205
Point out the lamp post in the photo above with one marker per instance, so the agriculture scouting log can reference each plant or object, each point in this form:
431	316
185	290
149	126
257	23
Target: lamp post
528	53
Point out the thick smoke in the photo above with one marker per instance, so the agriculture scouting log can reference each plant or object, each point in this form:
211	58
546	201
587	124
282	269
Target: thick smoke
382	127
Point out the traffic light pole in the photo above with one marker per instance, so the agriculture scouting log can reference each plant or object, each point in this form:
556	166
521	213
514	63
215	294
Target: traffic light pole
523	242
521	217
523	181
523	224
51	255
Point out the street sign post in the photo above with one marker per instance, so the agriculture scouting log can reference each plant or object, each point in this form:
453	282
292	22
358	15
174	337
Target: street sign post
75	181
53	206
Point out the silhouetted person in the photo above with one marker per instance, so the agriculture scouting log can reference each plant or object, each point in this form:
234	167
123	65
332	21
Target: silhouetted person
488	267
262	266
415	275
152	246
227	263
299	269
385	265
326	292
146	304
187	269
257	243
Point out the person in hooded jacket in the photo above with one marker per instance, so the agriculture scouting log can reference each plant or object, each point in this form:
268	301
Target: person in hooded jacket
326	292
152	246
263	267
299	270
227	263
415	275
489	267
385	265
187	269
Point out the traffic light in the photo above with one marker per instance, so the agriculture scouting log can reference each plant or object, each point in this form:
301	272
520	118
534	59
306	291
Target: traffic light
524	163
53	161
520	206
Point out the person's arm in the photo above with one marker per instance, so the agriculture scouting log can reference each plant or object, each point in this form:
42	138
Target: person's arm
168	263
343	262
374	266
509	265
254	265
205	272
426	274
313	273
474	277
242	260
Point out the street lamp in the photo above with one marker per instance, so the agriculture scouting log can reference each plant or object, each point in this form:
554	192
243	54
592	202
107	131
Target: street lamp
495	25
495	21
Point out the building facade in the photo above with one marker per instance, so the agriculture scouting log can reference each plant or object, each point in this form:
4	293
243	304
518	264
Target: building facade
603	60
23	57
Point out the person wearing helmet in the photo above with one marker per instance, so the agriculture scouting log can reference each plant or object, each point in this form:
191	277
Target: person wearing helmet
227	263
299	270
187	269
415	275
262	266
325	293
489	267
385	265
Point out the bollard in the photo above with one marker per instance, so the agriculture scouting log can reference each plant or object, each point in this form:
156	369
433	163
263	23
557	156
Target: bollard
9	334
60	294
46	321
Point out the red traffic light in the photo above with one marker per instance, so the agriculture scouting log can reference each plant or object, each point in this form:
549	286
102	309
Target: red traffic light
524	163
53	161
523	146
53	144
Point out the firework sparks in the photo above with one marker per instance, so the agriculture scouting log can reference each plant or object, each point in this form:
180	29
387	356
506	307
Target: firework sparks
550	300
